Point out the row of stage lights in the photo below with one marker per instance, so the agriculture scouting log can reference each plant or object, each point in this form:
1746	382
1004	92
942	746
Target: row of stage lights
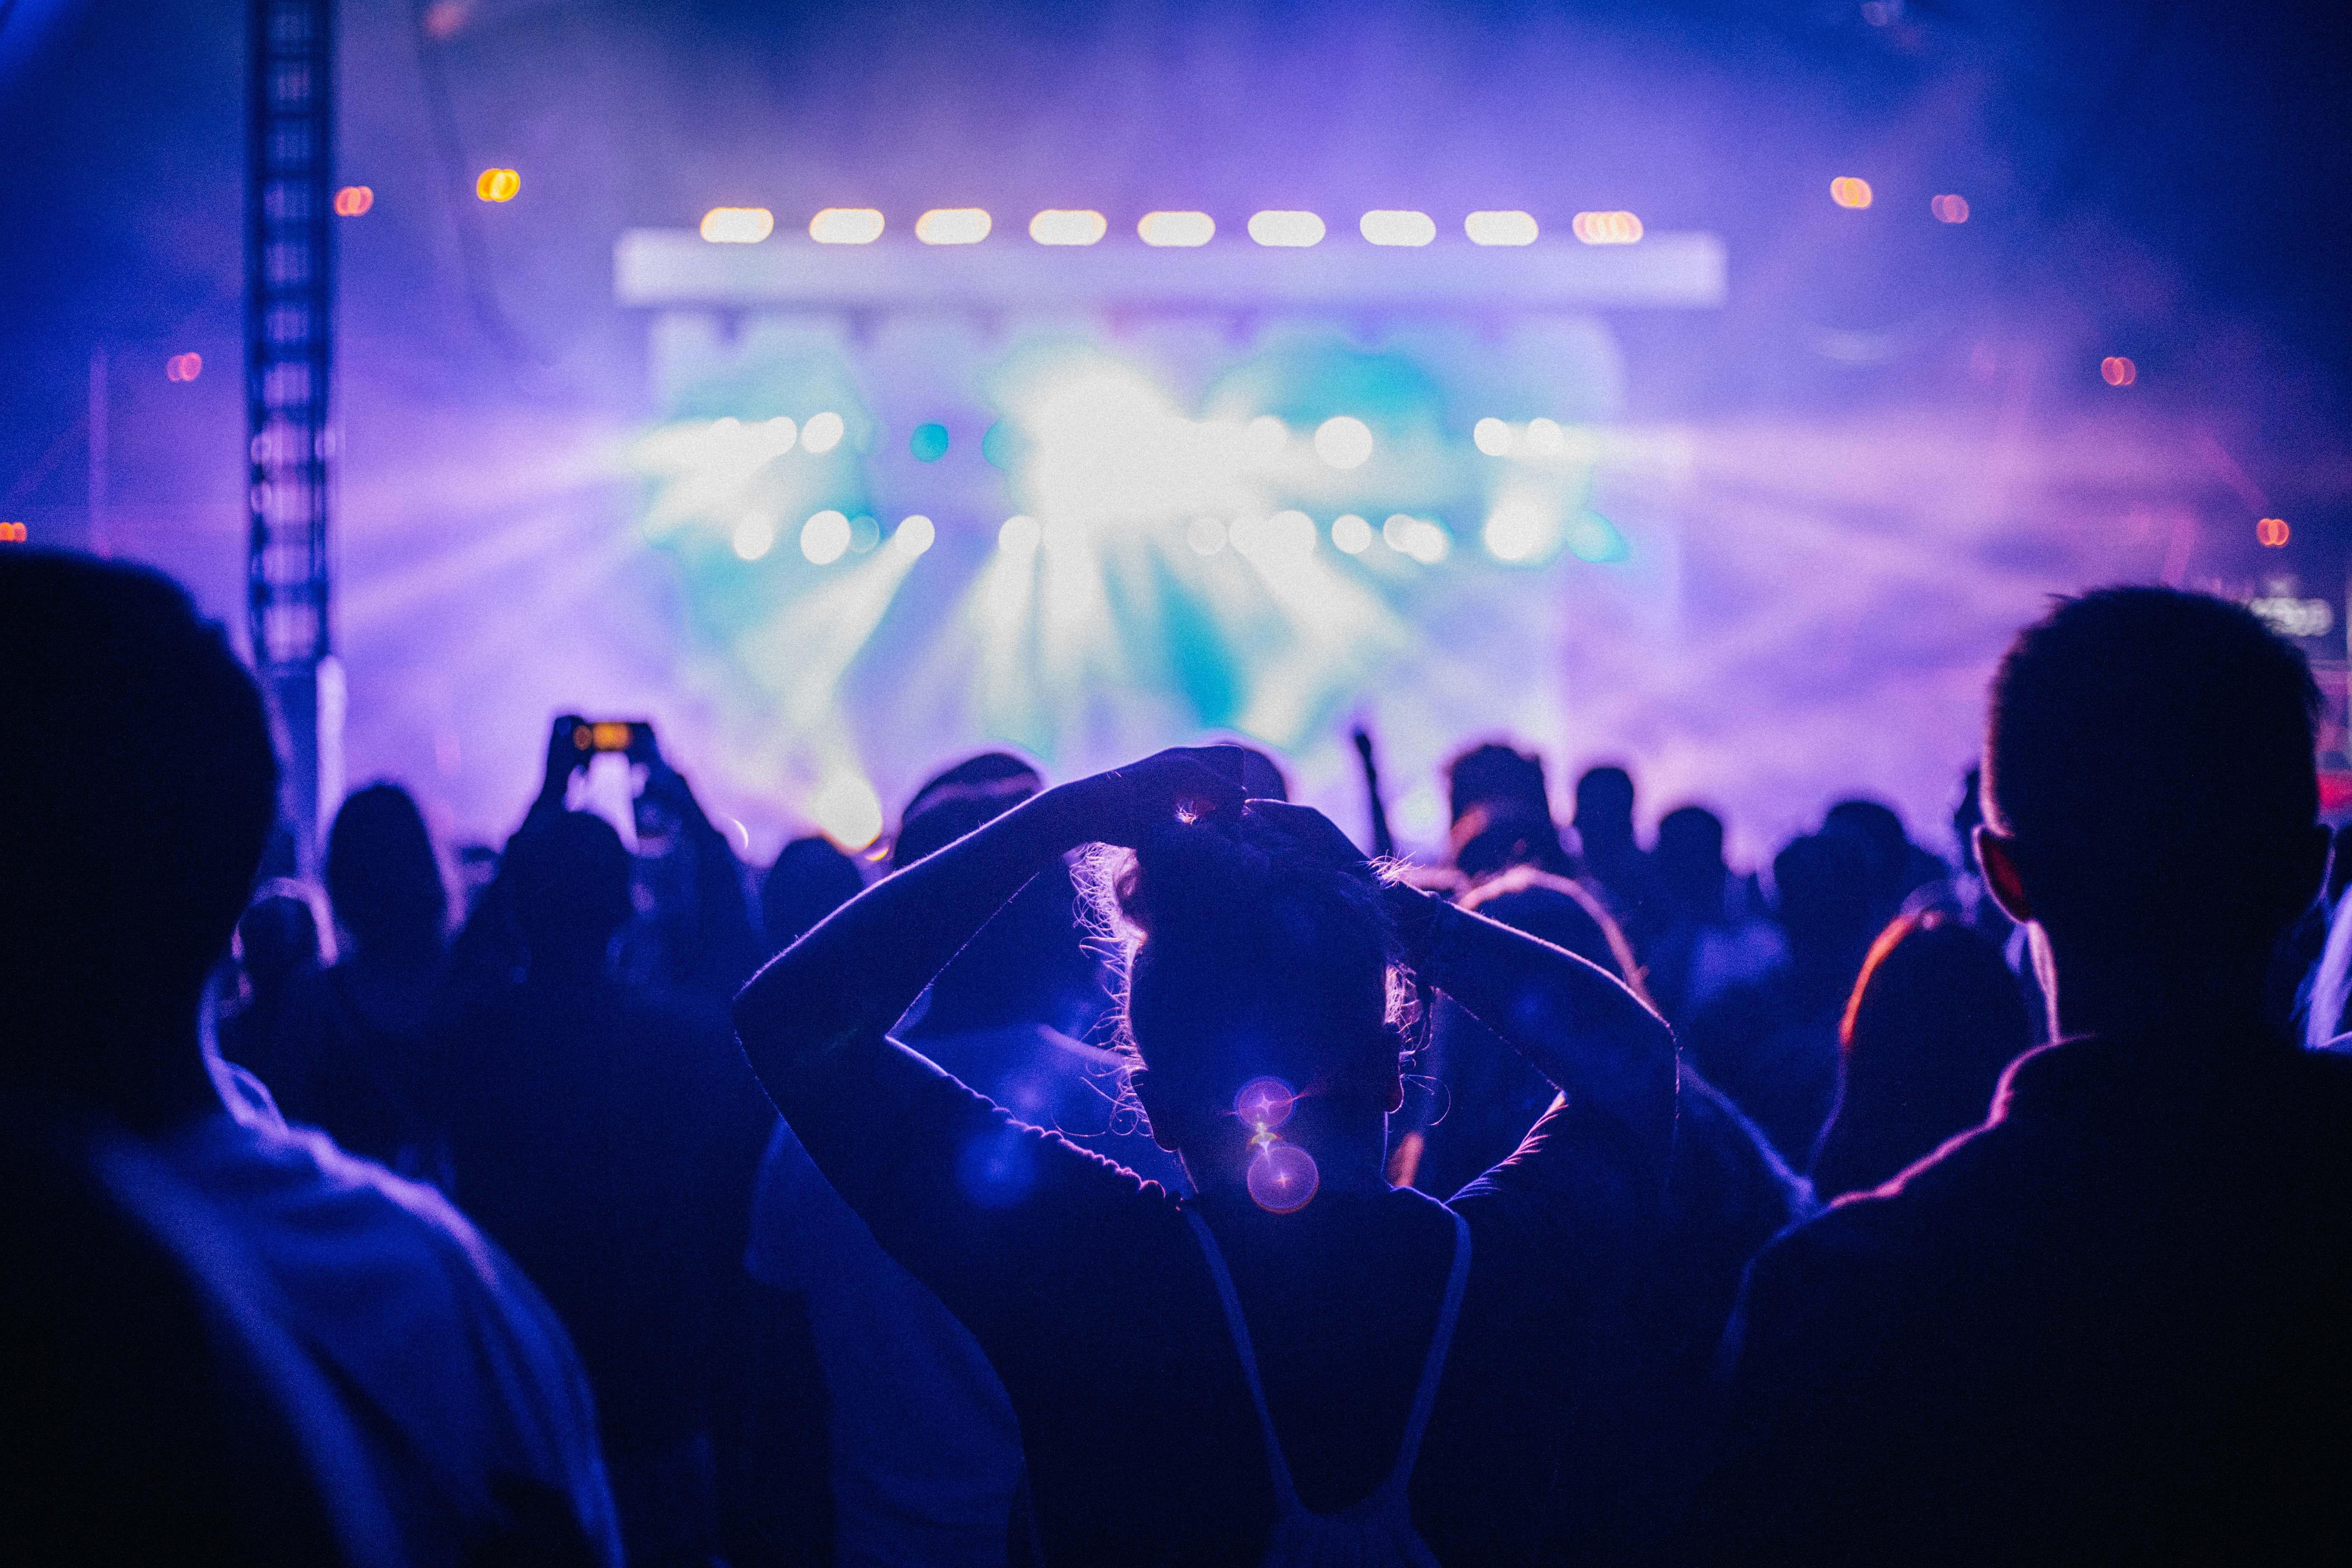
1515	534
1055	226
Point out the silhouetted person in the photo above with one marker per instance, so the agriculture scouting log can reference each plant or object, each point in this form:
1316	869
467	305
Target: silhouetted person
1935	1018
2109	1326
1501	814
226	1341
810	880
358	1052
1706	939
1898	866
1771	1045
276	949
607	1134
697	933
1613	860
1257	945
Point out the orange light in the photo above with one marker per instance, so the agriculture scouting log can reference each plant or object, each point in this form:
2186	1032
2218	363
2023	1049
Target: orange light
1949	209
353	200
2117	371
497	184
2273	532
12	533
183	367
1606	228
1849	191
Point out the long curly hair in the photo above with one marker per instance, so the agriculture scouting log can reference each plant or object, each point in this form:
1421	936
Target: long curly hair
1240	954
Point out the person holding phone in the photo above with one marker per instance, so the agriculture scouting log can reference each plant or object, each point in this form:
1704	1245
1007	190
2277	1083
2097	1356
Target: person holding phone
1299	1348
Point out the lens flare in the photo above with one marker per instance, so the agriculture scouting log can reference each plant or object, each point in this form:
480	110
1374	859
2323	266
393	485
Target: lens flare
1606	228
497	184
1849	190
1283	1178
1264	1103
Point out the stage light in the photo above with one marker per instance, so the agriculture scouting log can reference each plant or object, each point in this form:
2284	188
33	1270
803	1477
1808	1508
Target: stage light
1500	229
1493	438
755	536
1417	537
1949	209
953	225
782	435
1264	438
1517	530
1343	442
1020	534
738	225
929	443
823	537
2117	371
1606	228
865	533
497	184
1293	230
353	200
847	811
2272	532
915	535
1544	438
1351	534
1591	537
1176	228
1849	191
183	367
845	225
1206	536
823	432
1287	536
1387	227
1058	226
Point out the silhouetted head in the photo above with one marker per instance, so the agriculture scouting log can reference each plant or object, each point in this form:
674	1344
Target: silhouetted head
277	935
1557	911
1502	815
967	796
810	880
1824	904
1246	957
1504	780
138	795
571	876
1690	859
2148	777
383	877
1604	808
1934	1020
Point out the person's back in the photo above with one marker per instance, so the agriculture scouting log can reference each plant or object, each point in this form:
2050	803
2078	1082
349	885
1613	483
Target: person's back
409	1398
2109	1325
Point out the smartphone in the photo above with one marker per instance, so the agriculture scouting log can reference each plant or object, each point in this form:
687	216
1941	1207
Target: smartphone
627	736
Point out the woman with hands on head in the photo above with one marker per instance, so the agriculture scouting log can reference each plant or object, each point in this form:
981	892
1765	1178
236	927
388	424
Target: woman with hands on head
1298	1358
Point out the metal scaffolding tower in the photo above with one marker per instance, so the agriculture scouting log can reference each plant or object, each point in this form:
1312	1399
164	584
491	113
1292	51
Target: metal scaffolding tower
289	361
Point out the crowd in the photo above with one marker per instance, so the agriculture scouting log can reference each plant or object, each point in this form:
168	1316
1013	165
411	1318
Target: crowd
1134	1171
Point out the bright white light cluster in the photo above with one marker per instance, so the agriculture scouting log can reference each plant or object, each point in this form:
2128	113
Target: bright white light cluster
1277	227
1537	438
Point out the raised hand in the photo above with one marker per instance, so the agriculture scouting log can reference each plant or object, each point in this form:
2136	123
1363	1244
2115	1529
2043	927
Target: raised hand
1313	834
1126	804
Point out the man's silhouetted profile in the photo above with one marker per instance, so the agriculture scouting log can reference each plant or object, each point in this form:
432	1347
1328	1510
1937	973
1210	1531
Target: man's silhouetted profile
2110	1325
219	1340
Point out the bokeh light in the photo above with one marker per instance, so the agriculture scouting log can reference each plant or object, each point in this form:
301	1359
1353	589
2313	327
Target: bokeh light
953	225
2272	532
846	810
1493	438
916	535
1264	1103
1500	229
1206	535
1949	209
823	432
865	533
824	536
1060	226
1283	229
1593	537
1264	438
1544	438
755	536
1397	227
183	367
1417	537
1343	442
1283	1178
353	200
845	225
928	443
1287	535
497	184
1020	534
738	225
1848	191
1519	529
1351	534
1176	228
1606	228
2117	371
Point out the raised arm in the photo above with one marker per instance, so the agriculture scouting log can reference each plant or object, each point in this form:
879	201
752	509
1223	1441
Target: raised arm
864	965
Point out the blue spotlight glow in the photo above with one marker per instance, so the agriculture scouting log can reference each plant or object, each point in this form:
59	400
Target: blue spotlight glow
928	443
1593	537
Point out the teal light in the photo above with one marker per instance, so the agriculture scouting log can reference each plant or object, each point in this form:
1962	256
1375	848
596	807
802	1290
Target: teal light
1593	537
929	443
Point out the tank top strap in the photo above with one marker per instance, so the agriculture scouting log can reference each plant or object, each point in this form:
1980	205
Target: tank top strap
1432	1367
1285	1495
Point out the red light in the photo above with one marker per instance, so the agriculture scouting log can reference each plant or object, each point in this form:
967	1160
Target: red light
1949	209
353	200
12	533
183	367
2273	532
2117	371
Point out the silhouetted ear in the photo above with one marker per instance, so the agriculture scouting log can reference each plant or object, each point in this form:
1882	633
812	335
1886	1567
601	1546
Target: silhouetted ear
1156	1110
1997	853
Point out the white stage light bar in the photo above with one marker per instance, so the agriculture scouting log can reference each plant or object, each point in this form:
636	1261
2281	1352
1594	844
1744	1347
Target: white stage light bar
677	269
